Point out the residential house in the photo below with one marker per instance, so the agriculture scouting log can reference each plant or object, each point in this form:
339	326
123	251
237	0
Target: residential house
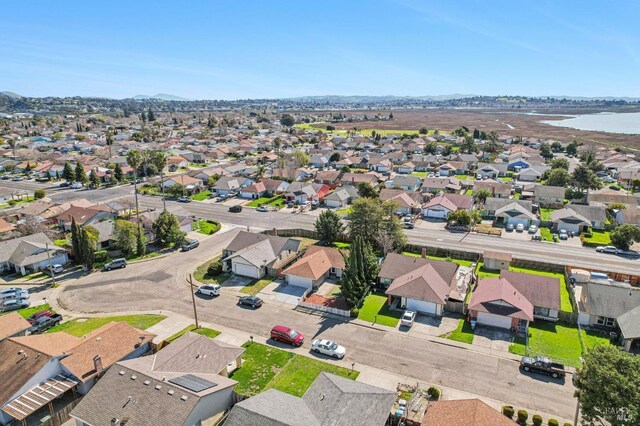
327	177
330	401
516	213
630	215
175	162
532	174
303	191
496	189
13	325
627	176
5	228
355	178
497	303
319	161
463	412
407	202
185	220
274	187
83	216
451	168
577	218
613	197
341	197
492	205
543	292
441	206
470	159
105	234
406	168
494	260
186	383
253	191
30	254
256	255
441	184
228	184
317	264
629	324
603	302
382	165
548	196
189	183
417	283
406	183
491	170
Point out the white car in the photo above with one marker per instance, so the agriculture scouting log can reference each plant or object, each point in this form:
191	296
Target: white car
13	304
608	249
76	185
533	229
57	268
408	318
263	209
210	289
519	227
18	294
328	347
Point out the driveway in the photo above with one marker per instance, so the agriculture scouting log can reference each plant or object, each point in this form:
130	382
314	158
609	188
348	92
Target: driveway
236	282
432	224
431	325
492	338
515	235
280	292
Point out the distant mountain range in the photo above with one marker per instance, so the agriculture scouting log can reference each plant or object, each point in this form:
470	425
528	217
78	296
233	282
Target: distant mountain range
10	95
162	97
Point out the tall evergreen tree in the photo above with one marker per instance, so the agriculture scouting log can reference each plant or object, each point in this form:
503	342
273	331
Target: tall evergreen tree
80	174
94	179
329	226
150	115
117	173
68	173
75	242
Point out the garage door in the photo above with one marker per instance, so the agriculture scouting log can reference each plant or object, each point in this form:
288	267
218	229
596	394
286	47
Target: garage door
517	221
494	320
421	306
437	213
245	270
569	227
299	281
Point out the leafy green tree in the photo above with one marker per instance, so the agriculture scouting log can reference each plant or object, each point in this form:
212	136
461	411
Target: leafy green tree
134	159
126	238
94	179
167	229
375	222
635	185
150	115
329	226
608	387
117	173
556	147
80	174
559	163
423	131
558	177
159	160
545	151
481	195
623	236
39	194
300	158
469	145
572	148
109	139
459	217
365	189
67	172
584	179
287	120
334	157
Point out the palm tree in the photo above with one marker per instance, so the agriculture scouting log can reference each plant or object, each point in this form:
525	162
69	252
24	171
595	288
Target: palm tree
260	171
134	159
12	144
109	141
159	160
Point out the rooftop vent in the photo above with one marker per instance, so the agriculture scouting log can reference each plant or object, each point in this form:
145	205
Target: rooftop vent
158	387
134	377
171	392
121	372
183	397
147	382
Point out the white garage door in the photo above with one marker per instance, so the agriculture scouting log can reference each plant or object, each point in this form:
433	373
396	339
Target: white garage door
438	213
494	320
421	306
299	281
569	227
245	270
517	220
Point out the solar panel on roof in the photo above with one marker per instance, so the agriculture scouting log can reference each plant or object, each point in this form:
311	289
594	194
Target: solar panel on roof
193	383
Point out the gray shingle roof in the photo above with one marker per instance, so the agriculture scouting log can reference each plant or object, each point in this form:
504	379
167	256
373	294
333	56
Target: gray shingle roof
610	300
629	323
247	239
271	408
396	265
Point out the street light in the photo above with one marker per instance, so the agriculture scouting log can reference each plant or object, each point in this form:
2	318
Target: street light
251	338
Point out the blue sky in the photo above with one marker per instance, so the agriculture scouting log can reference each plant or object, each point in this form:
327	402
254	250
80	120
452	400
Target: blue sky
257	49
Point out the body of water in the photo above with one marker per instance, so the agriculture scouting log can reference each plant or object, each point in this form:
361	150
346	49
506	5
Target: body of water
612	122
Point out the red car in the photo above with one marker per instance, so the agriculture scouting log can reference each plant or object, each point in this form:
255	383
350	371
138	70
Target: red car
287	335
33	318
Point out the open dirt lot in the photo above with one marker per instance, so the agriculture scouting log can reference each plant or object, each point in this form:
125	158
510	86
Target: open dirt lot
505	122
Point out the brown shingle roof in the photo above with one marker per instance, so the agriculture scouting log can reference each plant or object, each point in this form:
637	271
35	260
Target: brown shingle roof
396	265
423	283
497	255
500	290
11	324
539	290
463	412
16	368
316	262
53	344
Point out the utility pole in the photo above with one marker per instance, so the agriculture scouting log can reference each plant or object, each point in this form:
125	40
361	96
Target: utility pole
193	299
53	274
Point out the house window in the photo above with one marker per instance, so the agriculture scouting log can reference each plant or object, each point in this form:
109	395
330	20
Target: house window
606	321
542	312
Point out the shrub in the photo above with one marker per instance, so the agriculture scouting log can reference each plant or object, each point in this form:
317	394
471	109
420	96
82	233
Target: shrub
434	393
214	269
522	417
508	411
568	424
537	420
38	194
354	312
12	202
553	422
101	256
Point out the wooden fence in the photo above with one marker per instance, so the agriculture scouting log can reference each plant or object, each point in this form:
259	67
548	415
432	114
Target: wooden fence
62	415
322	308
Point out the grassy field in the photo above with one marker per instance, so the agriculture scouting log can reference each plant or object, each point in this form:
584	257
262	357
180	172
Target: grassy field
545	214
598	238
80	327
260	365
420	174
593	338
365	132
208	227
256	286
565	301
462	334
209	332
376	310
460	262
296	377
559	342
201	196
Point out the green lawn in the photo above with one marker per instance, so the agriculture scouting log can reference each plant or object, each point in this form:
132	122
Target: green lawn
598	238
260	365
593	338
61	242
208	227
419	174
558	341
463	333
278	200
201	196
27	312
82	326
375	309
209	332
460	262
256	286
565	301
201	275
465	177
344	212
296	377
342	246
546	234
545	214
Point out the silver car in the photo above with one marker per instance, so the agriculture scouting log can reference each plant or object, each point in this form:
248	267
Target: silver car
13	304
18	294
327	347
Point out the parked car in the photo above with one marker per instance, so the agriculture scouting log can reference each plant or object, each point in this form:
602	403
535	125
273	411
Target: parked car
76	185
210	289
543	365
10	290
327	347
13	304
253	301
408	318
287	335
65	185
235	209
533	229
37	315
184	199
263	209
115	263
57	268
290	204
409	225
19	294
44	323
189	245
222	197
510	227
608	249
17	178
563	234
519	227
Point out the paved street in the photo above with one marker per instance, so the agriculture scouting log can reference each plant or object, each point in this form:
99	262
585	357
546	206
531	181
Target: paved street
160	285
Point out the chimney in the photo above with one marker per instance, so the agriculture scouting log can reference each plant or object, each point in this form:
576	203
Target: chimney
275	232
97	364
424	252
